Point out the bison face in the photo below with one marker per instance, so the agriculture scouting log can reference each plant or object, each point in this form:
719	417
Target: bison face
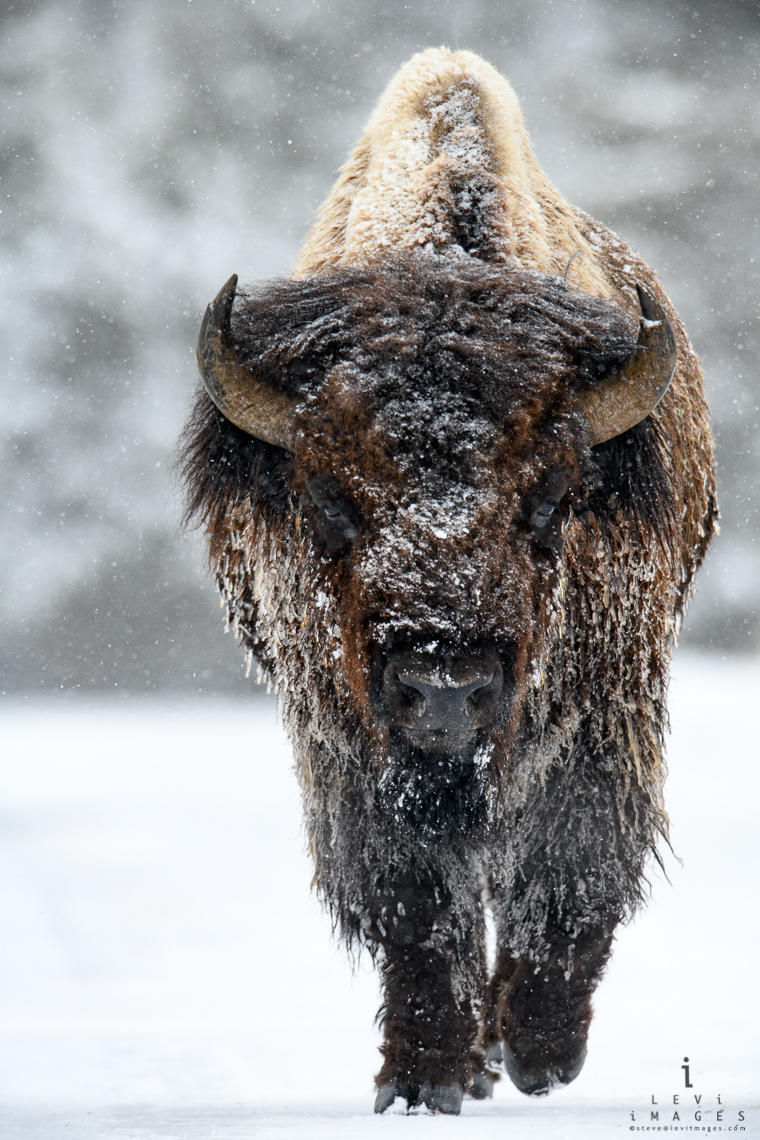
435	520
428	427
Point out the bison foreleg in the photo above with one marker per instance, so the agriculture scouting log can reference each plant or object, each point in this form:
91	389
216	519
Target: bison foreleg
432	974
542	1012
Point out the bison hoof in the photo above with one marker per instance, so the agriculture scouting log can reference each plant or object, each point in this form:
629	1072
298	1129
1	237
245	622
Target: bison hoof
539	1082
386	1095
442	1098
436	1098
481	1087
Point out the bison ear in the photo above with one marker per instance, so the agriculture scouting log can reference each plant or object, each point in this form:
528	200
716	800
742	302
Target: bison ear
260	409
625	398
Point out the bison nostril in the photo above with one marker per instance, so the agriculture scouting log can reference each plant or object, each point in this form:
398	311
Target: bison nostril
472	701
415	697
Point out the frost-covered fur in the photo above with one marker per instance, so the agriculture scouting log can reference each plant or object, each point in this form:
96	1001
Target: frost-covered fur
447	309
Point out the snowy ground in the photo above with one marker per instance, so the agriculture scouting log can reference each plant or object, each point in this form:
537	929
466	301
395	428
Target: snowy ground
164	971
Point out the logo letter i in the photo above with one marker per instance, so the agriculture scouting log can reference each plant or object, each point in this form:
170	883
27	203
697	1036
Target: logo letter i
687	1083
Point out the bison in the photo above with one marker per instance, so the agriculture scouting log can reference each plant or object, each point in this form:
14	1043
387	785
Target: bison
456	475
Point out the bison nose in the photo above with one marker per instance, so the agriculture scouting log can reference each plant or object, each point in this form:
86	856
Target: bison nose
453	701
443	708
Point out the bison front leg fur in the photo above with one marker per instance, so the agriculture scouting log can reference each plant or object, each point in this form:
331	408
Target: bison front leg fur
543	1011
432	977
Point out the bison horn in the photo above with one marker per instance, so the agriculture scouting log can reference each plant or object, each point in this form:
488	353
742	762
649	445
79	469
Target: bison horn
259	408
628	396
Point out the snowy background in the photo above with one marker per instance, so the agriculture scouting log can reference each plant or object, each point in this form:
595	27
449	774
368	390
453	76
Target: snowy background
152	147
164	970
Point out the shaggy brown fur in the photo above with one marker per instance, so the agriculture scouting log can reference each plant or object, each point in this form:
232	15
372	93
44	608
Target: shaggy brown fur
442	505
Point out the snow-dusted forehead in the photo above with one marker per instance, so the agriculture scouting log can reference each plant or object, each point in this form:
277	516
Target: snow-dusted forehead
442	452
431	429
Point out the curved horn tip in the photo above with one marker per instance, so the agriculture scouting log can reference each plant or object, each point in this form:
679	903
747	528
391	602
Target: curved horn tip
215	327
651	309
656	330
626	398
221	306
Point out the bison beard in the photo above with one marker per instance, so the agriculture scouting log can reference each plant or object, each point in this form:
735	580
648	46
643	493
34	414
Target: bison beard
466	605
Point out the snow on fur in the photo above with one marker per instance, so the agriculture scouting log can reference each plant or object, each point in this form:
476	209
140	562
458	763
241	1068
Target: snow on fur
446	312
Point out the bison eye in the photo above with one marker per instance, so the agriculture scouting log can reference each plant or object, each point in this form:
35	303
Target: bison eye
336	524
544	521
543	513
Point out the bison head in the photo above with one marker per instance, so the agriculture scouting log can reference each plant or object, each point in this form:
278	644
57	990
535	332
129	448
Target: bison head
424	432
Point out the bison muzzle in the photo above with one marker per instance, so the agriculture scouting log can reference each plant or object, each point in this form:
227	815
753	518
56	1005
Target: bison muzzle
456	475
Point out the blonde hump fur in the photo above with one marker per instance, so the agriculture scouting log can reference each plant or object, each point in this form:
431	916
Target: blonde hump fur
449	115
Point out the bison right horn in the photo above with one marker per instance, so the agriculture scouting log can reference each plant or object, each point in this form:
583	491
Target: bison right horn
259	408
627	397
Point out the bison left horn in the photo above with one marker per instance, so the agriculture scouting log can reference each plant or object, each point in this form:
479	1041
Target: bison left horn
259	408
627	397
